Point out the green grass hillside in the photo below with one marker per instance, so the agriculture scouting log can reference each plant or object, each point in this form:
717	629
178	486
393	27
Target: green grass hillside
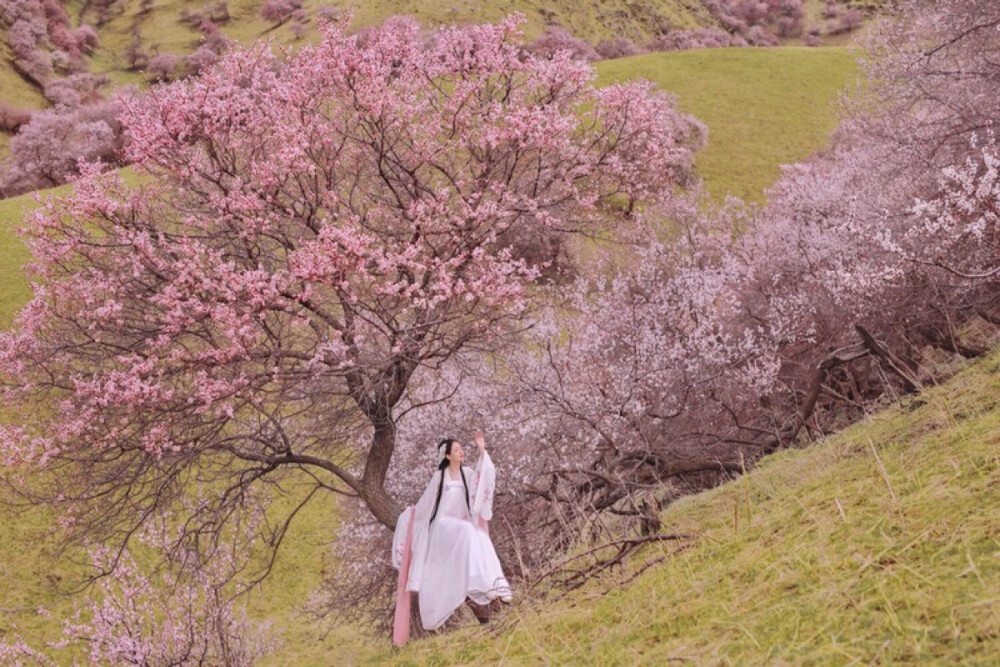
763	107
161	29
790	92
593	20
14	290
879	545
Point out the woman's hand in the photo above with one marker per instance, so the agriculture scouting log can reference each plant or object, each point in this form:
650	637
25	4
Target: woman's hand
480	440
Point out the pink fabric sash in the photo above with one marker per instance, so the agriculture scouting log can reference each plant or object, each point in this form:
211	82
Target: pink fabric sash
401	623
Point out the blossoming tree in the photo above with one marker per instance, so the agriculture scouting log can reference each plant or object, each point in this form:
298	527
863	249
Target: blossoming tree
307	232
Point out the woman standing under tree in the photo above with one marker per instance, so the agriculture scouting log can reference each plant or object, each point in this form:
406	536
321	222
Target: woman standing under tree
451	555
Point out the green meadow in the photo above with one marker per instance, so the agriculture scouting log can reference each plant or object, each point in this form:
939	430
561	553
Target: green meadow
764	108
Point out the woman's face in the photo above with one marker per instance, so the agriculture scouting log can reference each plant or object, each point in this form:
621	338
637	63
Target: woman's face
456	455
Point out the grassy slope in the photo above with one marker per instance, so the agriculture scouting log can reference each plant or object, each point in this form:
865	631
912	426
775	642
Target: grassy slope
763	107
593	20
816	557
162	31
15	91
27	558
13	255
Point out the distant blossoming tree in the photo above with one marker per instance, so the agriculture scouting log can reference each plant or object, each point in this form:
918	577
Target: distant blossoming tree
279	11
306	235
557	40
48	147
163	65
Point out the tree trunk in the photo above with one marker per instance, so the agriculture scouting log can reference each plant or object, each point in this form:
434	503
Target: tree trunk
951	344
384	507
911	383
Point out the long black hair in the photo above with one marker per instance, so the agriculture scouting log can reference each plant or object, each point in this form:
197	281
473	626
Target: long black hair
447	443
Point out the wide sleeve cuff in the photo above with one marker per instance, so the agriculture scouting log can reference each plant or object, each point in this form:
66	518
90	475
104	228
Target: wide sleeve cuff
482	505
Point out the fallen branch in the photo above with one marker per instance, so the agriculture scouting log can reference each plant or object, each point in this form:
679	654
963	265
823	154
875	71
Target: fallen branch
624	547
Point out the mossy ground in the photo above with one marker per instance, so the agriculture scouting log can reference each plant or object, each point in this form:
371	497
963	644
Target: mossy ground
878	545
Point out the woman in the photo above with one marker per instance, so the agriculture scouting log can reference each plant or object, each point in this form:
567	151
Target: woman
452	557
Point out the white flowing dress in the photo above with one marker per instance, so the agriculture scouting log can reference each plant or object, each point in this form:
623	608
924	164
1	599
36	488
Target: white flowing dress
453	557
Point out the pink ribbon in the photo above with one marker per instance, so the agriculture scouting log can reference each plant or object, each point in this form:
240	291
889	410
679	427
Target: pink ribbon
401	623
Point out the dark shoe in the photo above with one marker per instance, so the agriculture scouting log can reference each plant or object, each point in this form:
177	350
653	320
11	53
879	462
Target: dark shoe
480	611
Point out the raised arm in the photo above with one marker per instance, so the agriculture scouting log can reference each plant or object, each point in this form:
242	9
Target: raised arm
484	483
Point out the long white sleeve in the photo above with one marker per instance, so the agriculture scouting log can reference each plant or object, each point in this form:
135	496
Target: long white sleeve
483	488
421	525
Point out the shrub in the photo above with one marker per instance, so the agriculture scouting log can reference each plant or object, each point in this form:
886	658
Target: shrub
76	90
850	21
12	118
219	12
617	48
86	38
790	26
135	53
163	65
279	11
47	149
757	36
557	40
202	58
701	38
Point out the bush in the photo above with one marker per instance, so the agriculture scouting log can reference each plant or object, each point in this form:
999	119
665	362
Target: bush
86	39
76	90
789	26
617	48
135	53
219	12
190	17
850	21
202	58
212	38
702	38
557	40
163	65
757	36
279	11
47	149
12	118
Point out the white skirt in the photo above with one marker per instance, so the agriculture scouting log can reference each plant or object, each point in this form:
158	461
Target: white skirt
461	562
